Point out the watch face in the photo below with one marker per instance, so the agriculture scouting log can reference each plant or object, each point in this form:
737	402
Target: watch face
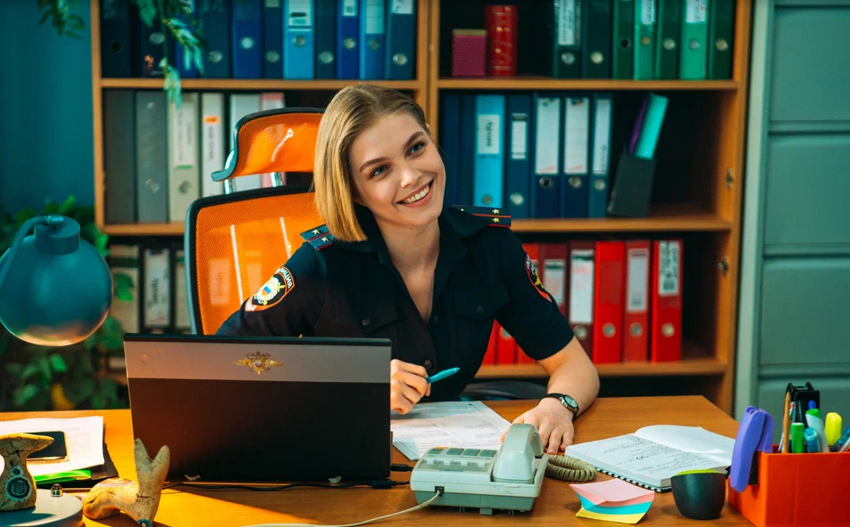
569	401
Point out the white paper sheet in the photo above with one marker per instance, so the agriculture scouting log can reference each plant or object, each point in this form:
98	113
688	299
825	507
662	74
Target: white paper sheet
83	439
448	424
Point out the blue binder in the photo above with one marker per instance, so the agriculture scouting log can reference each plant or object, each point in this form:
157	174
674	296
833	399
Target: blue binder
215	21
326	39
247	39
488	181
575	179
372	38
546	180
299	38
517	155
116	39
600	159
347	39
272	39
401	39
450	141
467	149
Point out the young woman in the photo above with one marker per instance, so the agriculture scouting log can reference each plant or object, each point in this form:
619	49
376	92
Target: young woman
392	261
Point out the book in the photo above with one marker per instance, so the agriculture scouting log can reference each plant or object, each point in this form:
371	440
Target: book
654	454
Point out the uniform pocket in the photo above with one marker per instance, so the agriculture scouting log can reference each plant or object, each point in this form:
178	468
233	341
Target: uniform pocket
481	305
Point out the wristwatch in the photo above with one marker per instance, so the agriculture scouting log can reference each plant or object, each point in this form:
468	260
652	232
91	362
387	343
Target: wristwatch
566	400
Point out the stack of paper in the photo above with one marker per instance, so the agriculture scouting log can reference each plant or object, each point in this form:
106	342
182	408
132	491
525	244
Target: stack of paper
448	424
613	500
83	441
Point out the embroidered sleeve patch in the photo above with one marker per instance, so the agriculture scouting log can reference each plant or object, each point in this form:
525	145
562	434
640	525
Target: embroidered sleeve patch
531	269
273	291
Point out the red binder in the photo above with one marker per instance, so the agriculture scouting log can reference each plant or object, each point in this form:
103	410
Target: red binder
636	302
608	302
490	356
505	346
501	24
666	337
554	272
582	264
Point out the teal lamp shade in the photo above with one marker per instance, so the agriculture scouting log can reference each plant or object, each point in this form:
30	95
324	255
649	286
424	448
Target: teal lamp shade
57	288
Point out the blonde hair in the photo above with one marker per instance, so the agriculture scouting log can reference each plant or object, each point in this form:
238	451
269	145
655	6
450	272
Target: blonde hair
352	110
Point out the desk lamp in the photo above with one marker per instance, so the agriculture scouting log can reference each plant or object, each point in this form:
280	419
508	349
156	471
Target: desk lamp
55	290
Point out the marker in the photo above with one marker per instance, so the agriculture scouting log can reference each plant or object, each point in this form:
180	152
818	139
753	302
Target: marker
816	424
812	441
442	375
798	446
833	428
842	442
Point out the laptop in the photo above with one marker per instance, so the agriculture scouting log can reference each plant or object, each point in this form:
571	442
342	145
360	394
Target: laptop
262	409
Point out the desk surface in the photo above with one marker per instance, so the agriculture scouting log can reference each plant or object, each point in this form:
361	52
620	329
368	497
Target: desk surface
556	506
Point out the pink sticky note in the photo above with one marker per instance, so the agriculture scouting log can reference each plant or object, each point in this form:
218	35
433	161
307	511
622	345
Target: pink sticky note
613	490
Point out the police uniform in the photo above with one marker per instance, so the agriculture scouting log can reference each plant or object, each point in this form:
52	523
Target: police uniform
331	288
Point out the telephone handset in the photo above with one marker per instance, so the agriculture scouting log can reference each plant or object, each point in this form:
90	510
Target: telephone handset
509	479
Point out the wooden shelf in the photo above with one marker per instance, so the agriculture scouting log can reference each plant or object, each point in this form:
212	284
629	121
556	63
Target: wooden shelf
256	84
536	82
695	361
662	218
144	229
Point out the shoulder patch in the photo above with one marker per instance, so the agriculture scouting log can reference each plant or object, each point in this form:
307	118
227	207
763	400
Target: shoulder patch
534	277
319	238
273	291
495	217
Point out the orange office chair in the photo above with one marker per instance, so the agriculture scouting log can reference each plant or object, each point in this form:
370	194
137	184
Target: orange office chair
234	242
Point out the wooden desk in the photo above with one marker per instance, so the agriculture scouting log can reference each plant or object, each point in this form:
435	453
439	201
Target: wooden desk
556	506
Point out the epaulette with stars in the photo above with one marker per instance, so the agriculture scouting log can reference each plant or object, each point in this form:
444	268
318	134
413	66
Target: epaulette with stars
320	237
497	217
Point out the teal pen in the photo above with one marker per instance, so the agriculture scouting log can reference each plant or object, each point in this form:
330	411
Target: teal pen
812	440
441	375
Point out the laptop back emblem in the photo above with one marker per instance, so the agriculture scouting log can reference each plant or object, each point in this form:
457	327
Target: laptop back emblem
259	362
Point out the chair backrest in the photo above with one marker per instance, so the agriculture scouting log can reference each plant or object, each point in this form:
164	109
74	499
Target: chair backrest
235	242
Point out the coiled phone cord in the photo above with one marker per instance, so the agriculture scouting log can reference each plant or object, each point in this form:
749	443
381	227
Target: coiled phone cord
568	468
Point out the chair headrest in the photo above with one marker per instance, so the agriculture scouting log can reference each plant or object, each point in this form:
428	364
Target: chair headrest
279	140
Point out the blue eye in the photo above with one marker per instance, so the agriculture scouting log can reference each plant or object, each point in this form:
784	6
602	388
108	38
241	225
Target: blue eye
378	171
417	147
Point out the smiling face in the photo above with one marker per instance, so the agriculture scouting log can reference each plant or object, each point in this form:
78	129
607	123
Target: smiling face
397	172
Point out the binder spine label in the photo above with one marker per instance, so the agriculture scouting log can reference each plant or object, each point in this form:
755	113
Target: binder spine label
647	12
488	134
546	152
668	269
349	8
554	274
577	122
519	136
374	17
638	263
272	4
299	14
185	141
696	12
402	7
567	30
601	138
581	287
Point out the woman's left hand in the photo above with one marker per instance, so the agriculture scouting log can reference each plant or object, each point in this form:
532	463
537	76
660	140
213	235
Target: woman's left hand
554	423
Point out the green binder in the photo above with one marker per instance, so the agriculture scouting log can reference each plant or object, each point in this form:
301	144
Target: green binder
644	39
623	39
667	43
693	57
721	35
561	21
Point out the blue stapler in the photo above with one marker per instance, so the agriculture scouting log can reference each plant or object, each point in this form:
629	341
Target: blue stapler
754	435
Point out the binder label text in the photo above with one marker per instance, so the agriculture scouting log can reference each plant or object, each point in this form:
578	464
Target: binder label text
488	134
668	268
695	12
567	31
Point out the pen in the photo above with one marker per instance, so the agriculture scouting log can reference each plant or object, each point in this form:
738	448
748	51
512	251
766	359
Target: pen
798	445
441	375
786	423
844	441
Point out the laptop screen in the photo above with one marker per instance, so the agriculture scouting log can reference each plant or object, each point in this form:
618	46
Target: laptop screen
262	408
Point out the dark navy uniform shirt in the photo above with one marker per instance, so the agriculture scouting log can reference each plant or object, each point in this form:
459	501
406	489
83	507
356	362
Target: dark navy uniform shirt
331	288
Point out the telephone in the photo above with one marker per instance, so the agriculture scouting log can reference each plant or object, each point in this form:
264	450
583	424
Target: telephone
509	479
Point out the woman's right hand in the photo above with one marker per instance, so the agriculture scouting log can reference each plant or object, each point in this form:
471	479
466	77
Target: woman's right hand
407	385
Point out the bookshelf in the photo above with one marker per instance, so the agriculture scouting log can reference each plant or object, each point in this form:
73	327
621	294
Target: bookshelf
703	175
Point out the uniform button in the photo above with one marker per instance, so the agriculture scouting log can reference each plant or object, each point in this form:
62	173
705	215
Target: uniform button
479	310
428	365
366	321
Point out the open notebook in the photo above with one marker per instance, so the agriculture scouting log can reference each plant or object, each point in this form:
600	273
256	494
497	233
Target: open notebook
654	454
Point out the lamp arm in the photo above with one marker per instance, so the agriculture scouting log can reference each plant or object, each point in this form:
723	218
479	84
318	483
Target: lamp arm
53	219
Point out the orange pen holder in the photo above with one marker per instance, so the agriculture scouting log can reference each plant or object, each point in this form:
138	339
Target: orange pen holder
799	490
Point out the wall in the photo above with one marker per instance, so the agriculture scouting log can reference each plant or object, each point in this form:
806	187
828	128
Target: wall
46	144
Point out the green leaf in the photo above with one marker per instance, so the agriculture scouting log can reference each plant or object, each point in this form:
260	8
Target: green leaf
24	394
50	207
147	11
44	368
57	363
29	370
44	17
67	206
123	281
123	295
90	342
97	402
100	242
108	389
